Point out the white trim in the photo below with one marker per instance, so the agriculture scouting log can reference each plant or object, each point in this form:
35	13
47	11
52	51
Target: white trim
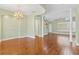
21	37
46	33
70	25
17	37
43	34
77	44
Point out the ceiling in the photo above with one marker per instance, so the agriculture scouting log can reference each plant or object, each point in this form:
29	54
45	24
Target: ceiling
55	11
50	11
26	9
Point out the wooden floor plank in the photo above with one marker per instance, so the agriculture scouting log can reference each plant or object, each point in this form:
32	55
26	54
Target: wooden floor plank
47	45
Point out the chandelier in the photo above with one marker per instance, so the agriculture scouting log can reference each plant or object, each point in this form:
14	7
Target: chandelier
18	14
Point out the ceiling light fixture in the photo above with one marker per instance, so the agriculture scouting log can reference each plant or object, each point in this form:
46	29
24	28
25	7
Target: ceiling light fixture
18	14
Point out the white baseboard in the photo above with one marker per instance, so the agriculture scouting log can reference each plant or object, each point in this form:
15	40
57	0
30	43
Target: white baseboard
42	35
17	37
20	37
77	44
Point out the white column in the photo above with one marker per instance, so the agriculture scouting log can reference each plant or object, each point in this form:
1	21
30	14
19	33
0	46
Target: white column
71	40
42	26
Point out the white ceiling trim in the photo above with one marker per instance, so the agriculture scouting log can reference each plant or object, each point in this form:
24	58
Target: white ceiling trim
27	9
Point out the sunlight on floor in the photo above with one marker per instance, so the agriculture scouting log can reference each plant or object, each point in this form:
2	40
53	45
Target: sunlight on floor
64	43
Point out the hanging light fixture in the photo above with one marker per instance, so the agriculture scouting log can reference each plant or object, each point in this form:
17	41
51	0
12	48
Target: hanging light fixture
18	14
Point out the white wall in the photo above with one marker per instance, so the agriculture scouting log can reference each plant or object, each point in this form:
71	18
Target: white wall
61	26
0	27
77	26
12	27
50	27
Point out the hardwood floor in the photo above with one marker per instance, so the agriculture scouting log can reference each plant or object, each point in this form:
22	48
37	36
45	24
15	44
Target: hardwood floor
48	45
75	50
17	46
52	45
